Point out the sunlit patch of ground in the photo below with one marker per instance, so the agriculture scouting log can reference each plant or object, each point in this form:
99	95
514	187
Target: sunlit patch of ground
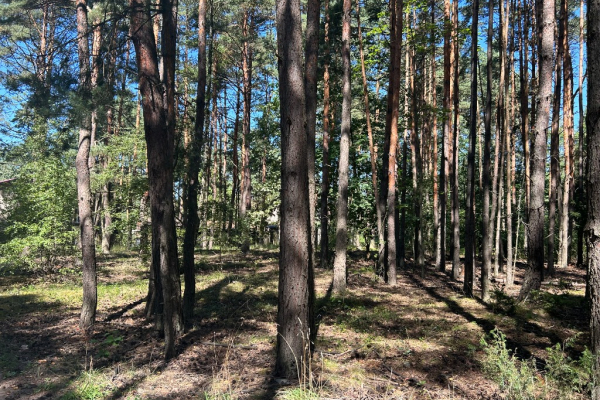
417	340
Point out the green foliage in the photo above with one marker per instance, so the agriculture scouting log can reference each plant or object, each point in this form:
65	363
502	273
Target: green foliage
565	377
89	386
517	378
568	375
41	212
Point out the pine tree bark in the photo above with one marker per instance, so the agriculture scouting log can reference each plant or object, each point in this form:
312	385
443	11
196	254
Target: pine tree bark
554	148
447	132
194	151
535	257
391	131
84	194
581	174
373	157
456	267
294	299
246	183
235	169
470	206
325	167
486	248
310	85
417	166
592	227
567	194
341	237
158	104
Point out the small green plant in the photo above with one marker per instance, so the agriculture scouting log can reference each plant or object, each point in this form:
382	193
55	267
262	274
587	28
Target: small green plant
300	393
518	379
89	386
567	375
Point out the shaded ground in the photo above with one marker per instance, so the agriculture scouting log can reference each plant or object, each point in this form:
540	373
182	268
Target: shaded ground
417	340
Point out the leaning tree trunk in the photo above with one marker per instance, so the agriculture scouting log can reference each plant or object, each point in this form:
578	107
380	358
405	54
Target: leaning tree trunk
535	257
341	237
86	228
294	299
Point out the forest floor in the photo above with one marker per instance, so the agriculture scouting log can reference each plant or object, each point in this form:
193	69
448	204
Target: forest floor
417	340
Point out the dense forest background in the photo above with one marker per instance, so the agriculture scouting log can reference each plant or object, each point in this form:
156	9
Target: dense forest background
432	136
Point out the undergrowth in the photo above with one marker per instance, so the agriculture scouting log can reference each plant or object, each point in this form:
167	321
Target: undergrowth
562	378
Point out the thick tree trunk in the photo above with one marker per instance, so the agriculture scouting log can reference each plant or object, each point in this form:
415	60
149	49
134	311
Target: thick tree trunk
294	299
194	151
159	113
535	257
592	228
341	237
84	194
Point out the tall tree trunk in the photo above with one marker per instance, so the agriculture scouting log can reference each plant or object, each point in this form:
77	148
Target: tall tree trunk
568	128
325	168
447	133
470	206
456	267
378	209
437	229
341	237
524	98
84	194
486	248
580	176
194	151
417	165
592	228
246	184
159	122
294	300
554	149
310	85
235	171
510	158
535	257
391	132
